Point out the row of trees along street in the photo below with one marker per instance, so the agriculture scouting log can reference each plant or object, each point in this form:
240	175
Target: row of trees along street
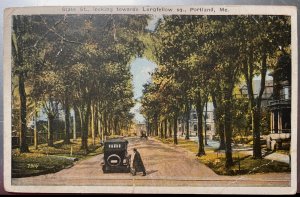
81	63
78	62
204	58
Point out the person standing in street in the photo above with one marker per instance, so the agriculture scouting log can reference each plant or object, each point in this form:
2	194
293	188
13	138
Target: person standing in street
138	165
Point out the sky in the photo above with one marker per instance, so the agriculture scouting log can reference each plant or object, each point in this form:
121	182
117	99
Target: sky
140	69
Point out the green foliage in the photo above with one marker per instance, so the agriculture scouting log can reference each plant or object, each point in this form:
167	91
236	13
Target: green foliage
202	56
47	159
241	117
62	149
247	165
79	62
29	164
243	139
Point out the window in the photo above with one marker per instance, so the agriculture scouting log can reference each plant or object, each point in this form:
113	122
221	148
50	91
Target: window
208	127
285	93
194	116
195	127
114	146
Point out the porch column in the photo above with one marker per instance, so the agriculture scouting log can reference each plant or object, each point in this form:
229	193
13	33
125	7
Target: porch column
275	121
279	122
271	122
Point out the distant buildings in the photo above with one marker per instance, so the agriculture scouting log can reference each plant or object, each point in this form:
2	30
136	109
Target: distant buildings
276	99
193	122
140	127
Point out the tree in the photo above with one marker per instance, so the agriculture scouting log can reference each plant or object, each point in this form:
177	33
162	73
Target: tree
73	67
23	40
257	50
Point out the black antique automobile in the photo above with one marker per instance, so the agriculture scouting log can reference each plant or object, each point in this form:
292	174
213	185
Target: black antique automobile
116	158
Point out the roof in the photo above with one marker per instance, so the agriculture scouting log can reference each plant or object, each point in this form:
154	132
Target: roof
116	140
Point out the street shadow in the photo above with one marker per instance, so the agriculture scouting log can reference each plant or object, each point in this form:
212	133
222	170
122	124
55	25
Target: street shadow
60	144
151	171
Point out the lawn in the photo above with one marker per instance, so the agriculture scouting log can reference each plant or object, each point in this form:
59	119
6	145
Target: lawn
243	163
50	159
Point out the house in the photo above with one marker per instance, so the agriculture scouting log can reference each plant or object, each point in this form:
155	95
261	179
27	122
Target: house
193	122
280	106
267	94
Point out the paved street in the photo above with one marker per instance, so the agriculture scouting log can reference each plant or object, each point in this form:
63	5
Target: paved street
165	166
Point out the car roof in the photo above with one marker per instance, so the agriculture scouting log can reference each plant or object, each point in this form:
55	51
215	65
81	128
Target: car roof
116	140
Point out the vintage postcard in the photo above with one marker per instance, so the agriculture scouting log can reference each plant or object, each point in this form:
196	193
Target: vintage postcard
151	99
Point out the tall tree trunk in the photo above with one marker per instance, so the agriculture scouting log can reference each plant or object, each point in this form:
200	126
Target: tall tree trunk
228	135
100	130
170	127
155	126
50	129
256	118
222	135
166	128
187	121
90	127
74	125
255	103
182	122
93	124
81	117
205	127
102	123
147	127
96	118
161	130
175	128
78	120
109	125
151	125
101	133
100	126
218	122
23	113
105	123
17	47
199	109
35	127
67	120
116	126
84	141
256	111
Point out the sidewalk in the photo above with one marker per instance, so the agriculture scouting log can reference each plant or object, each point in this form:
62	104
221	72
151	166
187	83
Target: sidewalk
278	157
248	151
